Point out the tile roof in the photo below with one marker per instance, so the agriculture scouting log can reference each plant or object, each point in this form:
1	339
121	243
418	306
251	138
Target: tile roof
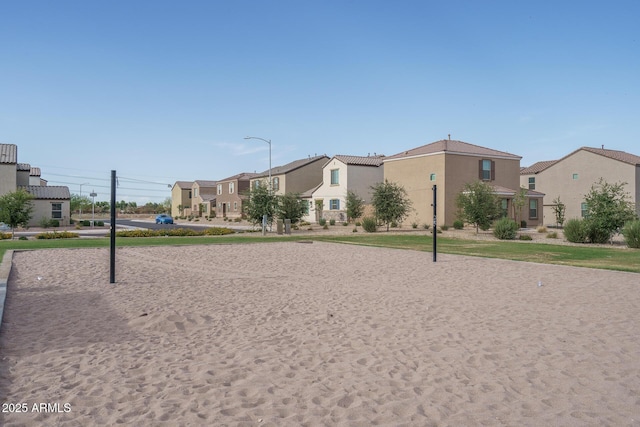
205	183
244	176
34	171
537	167
47	192
504	191
622	156
375	160
452	147
24	167
8	153
184	184
289	167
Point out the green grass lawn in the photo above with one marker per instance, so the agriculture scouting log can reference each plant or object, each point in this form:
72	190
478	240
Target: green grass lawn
579	256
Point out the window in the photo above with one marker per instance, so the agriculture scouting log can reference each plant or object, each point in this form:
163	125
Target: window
195	192
334	204
532	183
56	210
219	189
335	176
575	176
432	177
275	183
533	209
583	209
487	170
504	207
189	193
306	205
256	184
205	208
232	187
235	206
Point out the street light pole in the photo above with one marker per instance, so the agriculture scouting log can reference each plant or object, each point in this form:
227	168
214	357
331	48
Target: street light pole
264	217
80	214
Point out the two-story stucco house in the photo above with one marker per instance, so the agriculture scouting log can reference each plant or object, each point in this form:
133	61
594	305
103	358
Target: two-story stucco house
49	202
231	193
340	174
294	177
571	178
451	164
181	196
203	197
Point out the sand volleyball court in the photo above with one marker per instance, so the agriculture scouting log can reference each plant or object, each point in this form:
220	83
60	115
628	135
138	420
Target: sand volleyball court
313	334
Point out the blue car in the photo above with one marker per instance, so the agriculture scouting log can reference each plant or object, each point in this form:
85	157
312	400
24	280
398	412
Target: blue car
164	219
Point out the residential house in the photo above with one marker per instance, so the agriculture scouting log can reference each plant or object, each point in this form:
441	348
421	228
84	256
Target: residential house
339	174
294	177
231	193
203	200
570	178
49	202
449	165
181	196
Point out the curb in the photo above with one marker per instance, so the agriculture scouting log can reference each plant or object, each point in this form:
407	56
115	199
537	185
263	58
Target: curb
5	270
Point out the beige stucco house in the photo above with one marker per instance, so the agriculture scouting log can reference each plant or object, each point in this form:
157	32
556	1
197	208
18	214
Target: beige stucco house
203	197
340	174
451	164
571	178
49	202
181	198
294	177
231	193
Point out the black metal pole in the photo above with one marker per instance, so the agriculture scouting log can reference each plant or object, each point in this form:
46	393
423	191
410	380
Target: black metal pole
435	223
112	270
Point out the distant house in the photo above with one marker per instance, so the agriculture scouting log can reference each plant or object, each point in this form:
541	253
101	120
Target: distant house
203	197
294	177
181	198
49	202
451	164
231	193
340	174
571	178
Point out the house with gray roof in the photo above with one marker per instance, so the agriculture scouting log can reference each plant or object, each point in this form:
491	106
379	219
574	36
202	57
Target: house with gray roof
181	195
231	194
49	202
570	178
294	177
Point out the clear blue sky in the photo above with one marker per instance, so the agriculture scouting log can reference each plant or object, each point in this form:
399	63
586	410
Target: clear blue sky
162	91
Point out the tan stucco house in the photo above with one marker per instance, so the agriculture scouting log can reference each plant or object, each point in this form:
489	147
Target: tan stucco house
571	178
203	197
451	164
231	193
181	198
340	174
49	202
294	177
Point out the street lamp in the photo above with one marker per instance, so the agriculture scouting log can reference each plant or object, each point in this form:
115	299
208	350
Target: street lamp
268	141
80	214
264	217
93	207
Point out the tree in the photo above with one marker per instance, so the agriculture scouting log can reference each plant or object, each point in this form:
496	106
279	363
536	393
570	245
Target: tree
79	203
478	205
354	205
260	202
290	206
518	203
390	202
608	209
16	209
559	210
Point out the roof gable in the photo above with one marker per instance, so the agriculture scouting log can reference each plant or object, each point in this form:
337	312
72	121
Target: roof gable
8	153
289	167
447	146
375	160
537	167
47	192
621	156
185	185
243	176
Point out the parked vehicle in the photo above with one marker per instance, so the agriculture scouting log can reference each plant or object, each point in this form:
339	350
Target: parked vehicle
4	227
164	219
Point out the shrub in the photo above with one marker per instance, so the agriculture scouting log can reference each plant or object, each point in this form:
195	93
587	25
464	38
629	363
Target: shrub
237	219
631	233
426	226
4	236
369	224
345	223
484	227
444	227
99	223
575	231
597	233
325	226
358	224
505	229
541	229
355	230
322	222
44	222
56	235
86	223
22	238
54	223
332	221
525	237
552	235
394	224
523	224
458	225
414	225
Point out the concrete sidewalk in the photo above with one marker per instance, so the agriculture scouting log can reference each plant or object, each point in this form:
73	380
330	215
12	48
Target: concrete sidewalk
5	270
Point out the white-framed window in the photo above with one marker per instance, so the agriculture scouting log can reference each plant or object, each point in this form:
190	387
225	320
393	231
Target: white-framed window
504	207
334	204
219	186
432	177
486	170
275	183
235	206
56	210
532	183
583	209
335	176
232	187
256	184
575	176
533	208
195	192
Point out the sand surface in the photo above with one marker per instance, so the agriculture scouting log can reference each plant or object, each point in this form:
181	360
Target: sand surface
295	334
